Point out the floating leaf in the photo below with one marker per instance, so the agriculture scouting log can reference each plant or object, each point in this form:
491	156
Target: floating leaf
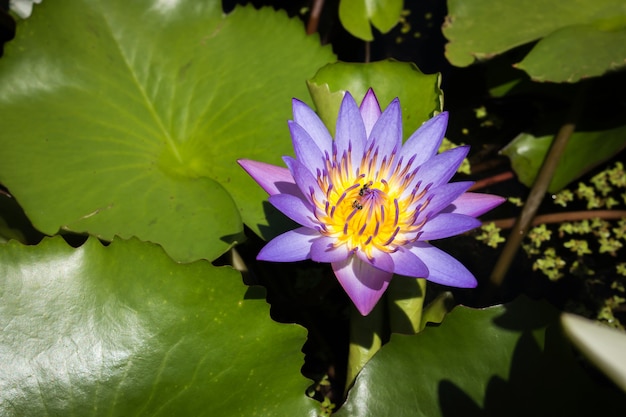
420	95
505	360
113	129
575	52
581	38
124	330
584	151
355	16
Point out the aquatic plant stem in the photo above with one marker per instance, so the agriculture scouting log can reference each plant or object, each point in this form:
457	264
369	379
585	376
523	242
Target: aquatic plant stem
568	216
540	186
365	340
405	301
314	18
494	179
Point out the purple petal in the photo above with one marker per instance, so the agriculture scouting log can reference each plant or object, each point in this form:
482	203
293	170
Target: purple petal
440	168
305	148
350	133
437	170
296	208
370	111
271	178
441	197
292	246
308	119
387	132
474	204
304	179
363	283
323	250
426	140
443	269
446	224
381	260
407	264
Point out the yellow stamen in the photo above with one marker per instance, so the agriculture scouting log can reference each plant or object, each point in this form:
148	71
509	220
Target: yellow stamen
370	208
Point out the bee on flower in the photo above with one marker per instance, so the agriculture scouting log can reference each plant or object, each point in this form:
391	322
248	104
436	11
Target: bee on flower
366	203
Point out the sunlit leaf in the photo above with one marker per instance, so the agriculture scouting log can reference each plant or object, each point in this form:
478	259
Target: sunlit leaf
584	151
581	38
356	15
419	94
405	300
501	361
112	127
125	331
437	309
575	52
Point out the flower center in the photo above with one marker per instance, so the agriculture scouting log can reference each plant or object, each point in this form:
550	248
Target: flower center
370	206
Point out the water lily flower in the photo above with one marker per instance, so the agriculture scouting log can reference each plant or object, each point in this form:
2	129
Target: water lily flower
366	203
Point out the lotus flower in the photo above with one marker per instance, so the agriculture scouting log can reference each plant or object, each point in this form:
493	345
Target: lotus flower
366	203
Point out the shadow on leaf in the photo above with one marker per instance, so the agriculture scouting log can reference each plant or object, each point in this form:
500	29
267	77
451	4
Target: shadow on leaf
546	382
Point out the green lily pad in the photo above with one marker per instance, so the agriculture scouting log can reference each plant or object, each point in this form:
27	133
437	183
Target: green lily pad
575	52
124	330
356	15
505	360
584	151
581	38
419	94
111	127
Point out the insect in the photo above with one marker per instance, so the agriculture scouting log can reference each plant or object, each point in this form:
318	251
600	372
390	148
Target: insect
364	189
357	205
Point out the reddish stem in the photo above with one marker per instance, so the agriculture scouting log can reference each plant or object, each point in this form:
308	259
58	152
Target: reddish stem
486	182
314	19
537	192
570	216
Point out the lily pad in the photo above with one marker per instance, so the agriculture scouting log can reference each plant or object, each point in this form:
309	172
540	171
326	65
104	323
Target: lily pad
582	51
356	15
581	38
419	94
124	330
111	127
505	360
584	151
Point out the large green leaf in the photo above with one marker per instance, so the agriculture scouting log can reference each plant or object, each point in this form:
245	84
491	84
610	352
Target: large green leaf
575	52
584	151
355	16
419	94
581	38
508	360
123	330
126	118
